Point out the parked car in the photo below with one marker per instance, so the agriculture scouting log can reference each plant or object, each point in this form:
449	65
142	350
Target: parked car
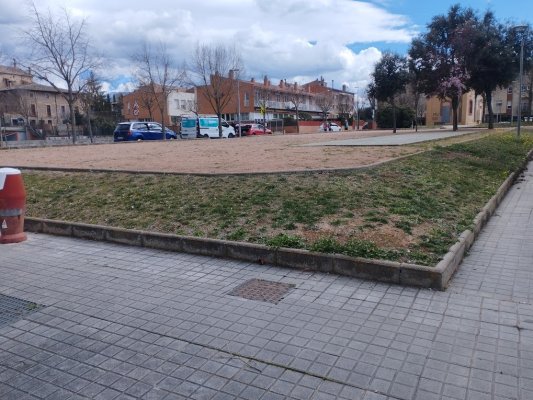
127	131
330	127
205	127
255	129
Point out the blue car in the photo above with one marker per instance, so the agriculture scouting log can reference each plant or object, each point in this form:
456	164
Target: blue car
126	131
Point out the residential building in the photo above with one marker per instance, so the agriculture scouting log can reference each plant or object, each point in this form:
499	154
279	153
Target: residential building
439	112
142	105
264	100
25	104
13	76
505	101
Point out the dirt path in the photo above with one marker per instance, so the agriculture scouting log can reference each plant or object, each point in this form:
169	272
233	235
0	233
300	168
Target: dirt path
247	154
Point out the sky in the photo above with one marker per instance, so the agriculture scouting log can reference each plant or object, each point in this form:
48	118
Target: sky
296	40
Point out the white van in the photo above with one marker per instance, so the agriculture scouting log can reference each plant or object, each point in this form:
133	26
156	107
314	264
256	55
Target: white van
204	127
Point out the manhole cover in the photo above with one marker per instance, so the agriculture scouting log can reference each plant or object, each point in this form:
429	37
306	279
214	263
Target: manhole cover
12	309
261	290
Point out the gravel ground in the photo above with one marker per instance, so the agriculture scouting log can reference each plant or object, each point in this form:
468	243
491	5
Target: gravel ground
248	154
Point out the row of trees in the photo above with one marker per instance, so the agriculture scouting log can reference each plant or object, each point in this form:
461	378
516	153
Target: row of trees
61	55
460	51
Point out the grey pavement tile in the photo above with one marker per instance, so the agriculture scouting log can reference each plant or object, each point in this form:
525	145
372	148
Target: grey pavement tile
165	319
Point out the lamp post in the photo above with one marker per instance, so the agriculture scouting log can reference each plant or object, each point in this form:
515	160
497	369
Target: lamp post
520	29
235	72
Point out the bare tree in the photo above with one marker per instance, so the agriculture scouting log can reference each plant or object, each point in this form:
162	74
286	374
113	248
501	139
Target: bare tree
325	102
60	53
147	99
296	97
345	107
211	66
262	97
159	75
89	98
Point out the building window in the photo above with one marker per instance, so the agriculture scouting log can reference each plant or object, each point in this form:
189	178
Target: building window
509	105
510	89
63	110
48	111
49	122
246	99
184	104
470	107
33	110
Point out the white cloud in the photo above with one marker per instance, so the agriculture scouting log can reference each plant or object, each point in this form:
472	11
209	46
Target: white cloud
274	36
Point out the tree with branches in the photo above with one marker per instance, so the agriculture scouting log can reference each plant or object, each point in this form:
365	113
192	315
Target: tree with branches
440	55
90	98
325	102
489	57
389	78
262	98
158	76
296	97
211	67
60	54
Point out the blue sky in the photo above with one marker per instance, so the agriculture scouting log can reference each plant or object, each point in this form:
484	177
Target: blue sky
420	14
296	40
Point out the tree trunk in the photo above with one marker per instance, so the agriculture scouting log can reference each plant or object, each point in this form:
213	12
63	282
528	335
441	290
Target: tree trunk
219	125
484	98
488	96
90	126
417	100
455	106
530	92
393	116
297	120
163	109
72	116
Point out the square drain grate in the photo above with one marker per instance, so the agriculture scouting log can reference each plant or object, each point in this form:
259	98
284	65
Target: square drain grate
261	290
12	309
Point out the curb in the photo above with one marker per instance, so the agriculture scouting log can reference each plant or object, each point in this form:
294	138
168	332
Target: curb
378	270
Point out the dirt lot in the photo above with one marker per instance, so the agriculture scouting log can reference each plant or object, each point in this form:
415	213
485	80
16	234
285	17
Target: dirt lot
247	154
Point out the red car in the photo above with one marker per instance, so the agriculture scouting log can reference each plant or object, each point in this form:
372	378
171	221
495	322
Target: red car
255	129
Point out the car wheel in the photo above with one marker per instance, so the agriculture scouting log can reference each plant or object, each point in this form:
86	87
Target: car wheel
206	136
231	135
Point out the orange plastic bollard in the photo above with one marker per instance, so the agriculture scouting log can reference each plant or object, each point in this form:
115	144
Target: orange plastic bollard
12	206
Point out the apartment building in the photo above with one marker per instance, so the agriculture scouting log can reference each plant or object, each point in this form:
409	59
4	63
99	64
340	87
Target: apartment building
13	76
264	100
505	101
23	103
142	105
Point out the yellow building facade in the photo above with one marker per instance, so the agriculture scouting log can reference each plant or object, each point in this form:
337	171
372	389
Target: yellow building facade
439	112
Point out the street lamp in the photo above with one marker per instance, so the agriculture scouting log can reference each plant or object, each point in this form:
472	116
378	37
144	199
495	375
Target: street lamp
235	72
520	29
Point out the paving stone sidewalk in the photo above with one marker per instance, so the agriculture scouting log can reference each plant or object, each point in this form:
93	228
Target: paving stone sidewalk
394	139
128	323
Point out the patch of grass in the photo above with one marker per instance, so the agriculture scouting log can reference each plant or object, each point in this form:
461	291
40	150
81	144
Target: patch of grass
284	240
443	189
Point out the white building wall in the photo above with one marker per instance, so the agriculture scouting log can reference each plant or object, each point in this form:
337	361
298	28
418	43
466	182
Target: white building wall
181	103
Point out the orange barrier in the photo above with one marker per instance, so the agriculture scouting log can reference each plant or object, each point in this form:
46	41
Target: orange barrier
12	206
